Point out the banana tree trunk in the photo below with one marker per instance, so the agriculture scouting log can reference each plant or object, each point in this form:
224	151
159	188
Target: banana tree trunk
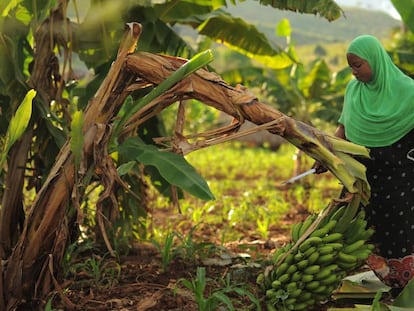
28	271
12	213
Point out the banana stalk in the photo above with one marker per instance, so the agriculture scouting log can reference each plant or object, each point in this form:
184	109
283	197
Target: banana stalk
239	102
334	153
200	60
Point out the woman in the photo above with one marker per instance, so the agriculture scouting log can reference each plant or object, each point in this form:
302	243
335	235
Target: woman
378	113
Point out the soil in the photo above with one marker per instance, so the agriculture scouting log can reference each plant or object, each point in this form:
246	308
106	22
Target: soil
144	286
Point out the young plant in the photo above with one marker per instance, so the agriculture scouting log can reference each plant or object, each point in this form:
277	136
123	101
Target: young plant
263	223
198	287
166	250
240	291
98	271
219	297
190	250
18	125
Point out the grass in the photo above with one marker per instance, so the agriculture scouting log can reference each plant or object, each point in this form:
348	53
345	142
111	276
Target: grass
250	200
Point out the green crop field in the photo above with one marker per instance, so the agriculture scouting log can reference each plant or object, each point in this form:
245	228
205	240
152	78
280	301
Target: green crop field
250	200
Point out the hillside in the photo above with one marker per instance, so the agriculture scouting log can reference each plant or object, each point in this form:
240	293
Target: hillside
311	29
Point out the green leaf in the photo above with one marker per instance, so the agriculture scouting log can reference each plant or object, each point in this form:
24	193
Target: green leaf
224	299
198	61
6	6
76	136
201	280
226	29
18	124
406	297
181	11
187	284
125	168
406	10
244	292
376	304
20	121
325	8
393	308
174	168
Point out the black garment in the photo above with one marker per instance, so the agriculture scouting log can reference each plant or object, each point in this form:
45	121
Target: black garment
391	207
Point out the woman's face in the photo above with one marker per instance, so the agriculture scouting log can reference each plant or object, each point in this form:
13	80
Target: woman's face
360	67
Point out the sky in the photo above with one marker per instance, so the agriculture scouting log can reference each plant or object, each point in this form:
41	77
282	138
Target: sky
380	5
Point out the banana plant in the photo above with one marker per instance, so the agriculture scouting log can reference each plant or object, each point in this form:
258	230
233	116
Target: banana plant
30	38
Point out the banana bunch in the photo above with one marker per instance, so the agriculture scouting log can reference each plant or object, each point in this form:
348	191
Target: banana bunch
307	270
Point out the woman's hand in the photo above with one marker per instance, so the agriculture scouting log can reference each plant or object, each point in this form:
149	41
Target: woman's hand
319	168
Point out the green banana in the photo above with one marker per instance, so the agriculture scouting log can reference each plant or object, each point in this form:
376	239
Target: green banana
309	242
323	274
362	254
346	258
312	285
289	258
332	267
338	213
335	245
311	250
300	306
331	224
326	259
326	249
332	237
292	269
321	289
284	278
295	231
296	293
290	301
296	276
356	232
306	278
306	296
282	269
329	280
306	224
313	258
347	266
271	293
276	284
319	232
367	234
270	307
298	257
276	255
312	269
303	264
348	249
292	286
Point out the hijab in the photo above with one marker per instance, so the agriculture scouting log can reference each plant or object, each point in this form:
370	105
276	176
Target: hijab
379	112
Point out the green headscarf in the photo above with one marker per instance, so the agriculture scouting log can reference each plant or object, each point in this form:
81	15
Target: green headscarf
381	111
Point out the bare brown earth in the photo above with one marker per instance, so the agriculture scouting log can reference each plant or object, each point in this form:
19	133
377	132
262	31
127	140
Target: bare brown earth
143	285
